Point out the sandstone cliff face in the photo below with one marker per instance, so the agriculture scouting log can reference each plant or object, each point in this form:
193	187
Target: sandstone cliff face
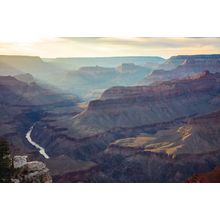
30	172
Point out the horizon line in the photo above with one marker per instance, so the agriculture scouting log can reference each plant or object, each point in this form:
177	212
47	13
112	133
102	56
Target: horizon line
93	57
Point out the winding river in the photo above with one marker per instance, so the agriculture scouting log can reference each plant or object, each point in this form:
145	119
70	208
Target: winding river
41	149
36	145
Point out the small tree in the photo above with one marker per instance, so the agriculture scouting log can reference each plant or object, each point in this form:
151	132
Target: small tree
5	162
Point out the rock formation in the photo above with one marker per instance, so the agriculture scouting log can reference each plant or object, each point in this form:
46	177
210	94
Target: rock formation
212	176
30	172
77	62
170	155
141	105
33	65
182	66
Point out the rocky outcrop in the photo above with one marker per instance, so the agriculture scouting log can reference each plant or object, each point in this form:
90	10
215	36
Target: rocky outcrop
212	176
30	172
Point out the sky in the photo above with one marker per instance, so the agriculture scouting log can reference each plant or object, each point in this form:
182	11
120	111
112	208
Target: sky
107	46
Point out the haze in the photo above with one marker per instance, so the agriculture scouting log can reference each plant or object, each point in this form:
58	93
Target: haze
107	47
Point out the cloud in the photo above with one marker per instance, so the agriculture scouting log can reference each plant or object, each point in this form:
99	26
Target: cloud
107	46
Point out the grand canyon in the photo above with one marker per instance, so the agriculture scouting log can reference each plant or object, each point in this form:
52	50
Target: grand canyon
116	119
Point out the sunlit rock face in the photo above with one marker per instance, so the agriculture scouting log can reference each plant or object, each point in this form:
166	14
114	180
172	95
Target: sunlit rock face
19	161
187	152
198	135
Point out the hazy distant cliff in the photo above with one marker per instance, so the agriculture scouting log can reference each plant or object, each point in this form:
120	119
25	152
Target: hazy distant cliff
182	66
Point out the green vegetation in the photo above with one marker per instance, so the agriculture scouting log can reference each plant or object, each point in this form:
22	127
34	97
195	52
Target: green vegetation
6	168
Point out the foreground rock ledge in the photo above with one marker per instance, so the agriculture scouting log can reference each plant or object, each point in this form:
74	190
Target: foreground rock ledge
30	172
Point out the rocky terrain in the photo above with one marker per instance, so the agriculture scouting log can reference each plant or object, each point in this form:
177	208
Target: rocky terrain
30	172
169	155
154	120
89	80
182	66
74	63
30	64
25	100
198	135
66	169
166	131
22	104
126	107
212	176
